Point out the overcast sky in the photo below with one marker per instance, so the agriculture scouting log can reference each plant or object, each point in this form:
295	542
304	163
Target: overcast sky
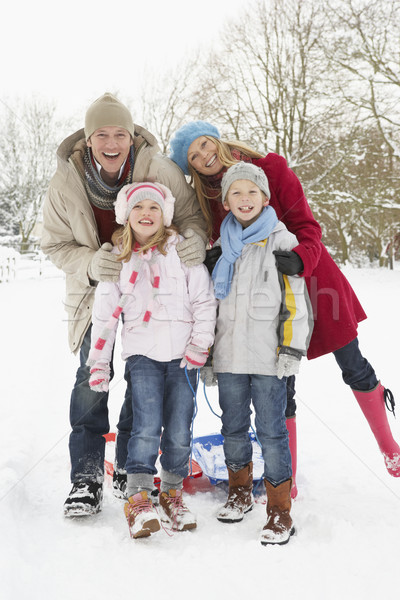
73	51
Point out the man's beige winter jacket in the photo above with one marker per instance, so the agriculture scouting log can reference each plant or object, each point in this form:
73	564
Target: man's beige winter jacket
70	237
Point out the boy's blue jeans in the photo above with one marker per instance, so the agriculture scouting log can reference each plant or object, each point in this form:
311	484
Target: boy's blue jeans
163	404
89	421
268	395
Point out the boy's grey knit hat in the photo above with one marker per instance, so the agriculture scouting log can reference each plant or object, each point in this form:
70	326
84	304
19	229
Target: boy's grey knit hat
244	170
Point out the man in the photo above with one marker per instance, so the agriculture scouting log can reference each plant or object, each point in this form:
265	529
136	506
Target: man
93	165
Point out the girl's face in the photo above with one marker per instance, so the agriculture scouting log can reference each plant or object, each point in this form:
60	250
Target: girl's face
246	201
203	156
145	219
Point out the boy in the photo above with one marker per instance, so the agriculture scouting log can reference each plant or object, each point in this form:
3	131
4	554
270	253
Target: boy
263	329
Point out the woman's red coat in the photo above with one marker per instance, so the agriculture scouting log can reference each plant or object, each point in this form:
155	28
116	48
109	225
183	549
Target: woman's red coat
336	308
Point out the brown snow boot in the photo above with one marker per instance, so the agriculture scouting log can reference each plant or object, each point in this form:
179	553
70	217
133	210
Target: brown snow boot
176	511
279	525
240	496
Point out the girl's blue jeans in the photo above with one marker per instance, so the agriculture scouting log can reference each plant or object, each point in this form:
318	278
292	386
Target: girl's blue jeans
268	395
163	405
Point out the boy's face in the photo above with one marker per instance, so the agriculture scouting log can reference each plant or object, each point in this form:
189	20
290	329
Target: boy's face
246	201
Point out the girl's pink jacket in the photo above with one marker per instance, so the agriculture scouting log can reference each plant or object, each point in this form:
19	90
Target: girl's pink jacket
183	309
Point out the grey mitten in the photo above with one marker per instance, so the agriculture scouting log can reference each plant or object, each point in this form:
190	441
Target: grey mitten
104	266
287	365
191	250
208	376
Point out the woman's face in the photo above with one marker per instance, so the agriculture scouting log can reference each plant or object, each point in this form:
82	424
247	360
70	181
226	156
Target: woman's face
203	156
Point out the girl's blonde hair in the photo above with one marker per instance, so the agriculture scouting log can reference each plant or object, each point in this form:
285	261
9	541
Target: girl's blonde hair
224	153
124	239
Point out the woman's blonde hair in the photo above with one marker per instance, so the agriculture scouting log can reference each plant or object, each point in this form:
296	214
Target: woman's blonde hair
224	153
124	239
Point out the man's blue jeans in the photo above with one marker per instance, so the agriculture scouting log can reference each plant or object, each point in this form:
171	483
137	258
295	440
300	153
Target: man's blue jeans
163	404
89	422
268	395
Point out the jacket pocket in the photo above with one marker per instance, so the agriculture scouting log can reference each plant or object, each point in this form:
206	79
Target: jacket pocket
173	299
79	303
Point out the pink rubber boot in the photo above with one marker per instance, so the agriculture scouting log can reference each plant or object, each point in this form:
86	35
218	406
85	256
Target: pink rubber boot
291	427
372	403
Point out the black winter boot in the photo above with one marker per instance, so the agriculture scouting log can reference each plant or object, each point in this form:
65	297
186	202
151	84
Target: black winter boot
84	499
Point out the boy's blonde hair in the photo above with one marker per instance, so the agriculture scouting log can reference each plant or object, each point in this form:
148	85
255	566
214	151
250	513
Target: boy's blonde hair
224	153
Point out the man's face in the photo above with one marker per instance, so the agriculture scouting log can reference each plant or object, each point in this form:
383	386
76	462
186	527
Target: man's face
110	146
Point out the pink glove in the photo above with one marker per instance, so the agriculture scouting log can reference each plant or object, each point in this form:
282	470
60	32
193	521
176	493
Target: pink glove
99	377
194	358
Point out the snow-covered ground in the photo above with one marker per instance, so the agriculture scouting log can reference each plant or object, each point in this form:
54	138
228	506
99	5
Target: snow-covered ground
347	512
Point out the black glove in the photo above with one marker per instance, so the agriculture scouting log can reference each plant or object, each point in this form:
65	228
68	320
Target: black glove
211	258
288	262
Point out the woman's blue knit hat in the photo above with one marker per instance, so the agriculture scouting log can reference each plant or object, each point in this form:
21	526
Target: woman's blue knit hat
179	144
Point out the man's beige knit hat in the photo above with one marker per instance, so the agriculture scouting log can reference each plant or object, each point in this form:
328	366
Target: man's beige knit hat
108	111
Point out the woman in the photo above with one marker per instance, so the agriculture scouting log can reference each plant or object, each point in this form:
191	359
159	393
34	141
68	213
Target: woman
198	150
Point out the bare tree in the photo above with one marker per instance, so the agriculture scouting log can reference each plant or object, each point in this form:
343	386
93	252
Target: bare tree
364	53
317	83
357	204
167	102
267	84
27	154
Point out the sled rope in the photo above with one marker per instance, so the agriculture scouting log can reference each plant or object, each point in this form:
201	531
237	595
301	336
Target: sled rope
219	417
194	416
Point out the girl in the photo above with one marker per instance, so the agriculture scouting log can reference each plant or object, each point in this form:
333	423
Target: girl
198	149
169	313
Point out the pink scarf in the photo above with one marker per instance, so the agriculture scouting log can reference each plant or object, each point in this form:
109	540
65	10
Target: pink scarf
151	258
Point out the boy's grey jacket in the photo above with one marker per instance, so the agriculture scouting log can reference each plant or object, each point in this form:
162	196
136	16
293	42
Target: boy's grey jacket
70	235
264	310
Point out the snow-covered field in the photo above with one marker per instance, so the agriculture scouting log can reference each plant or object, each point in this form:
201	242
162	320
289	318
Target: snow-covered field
347	512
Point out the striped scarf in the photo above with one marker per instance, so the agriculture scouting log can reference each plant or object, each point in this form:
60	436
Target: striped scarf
100	194
142	260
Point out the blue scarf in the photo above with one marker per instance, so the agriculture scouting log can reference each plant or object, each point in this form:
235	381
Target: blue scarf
233	239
